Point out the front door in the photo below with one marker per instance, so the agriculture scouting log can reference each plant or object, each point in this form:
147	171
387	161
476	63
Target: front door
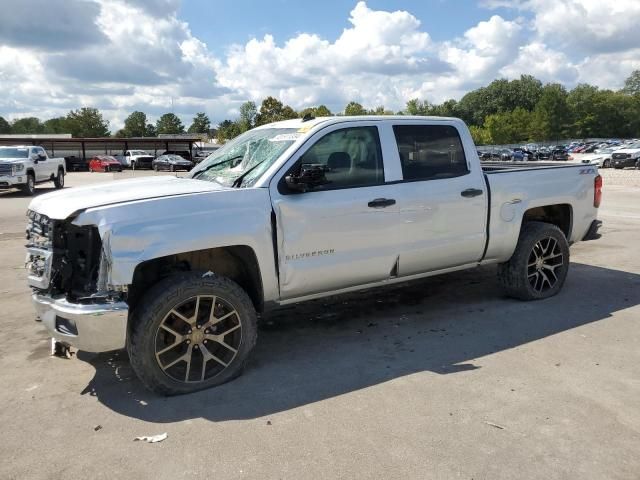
343	233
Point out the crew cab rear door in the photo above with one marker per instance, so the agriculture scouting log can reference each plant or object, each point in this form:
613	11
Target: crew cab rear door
343	233
442	198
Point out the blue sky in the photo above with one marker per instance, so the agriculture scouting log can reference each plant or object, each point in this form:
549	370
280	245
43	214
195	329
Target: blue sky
189	56
237	21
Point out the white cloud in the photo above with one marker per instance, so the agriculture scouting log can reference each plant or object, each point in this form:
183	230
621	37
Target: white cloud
547	65
142	56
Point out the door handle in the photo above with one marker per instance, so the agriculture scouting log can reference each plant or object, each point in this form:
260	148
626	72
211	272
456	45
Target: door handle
471	192
381	203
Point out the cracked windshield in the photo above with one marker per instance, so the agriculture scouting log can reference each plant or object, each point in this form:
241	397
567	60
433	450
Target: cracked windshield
242	161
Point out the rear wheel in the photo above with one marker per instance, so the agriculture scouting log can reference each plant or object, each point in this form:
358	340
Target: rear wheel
606	164
539	265
190	333
29	188
59	180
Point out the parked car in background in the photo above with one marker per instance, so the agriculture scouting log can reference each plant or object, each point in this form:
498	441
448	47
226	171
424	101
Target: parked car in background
559	153
522	154
24	166
172	163
76	164
629	156
601	157
543	154
183	153
484	156
104	163
505	154
135	159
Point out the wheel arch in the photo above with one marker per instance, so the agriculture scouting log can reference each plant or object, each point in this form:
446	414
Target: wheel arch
237	262
560	215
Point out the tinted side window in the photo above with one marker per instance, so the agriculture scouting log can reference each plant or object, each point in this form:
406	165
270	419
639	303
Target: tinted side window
430	152
351	157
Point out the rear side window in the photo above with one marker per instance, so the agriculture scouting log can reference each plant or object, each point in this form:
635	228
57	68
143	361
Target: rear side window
430	152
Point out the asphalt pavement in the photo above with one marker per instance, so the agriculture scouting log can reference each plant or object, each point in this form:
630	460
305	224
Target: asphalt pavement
441	378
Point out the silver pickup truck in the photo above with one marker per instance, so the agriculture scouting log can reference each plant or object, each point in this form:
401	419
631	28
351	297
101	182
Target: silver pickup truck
176	269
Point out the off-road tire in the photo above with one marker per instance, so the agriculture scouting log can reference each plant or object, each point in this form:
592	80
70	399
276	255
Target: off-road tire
58	181
513	275
154	307
29	188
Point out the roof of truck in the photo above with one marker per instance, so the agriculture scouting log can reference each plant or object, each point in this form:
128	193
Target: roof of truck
309	124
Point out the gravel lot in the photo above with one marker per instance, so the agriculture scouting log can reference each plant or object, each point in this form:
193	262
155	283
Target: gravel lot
443	378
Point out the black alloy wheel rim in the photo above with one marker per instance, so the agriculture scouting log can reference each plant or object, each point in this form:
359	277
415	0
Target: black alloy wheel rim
198	339
545	264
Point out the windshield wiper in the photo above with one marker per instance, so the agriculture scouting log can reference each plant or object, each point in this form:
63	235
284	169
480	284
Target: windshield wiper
216	164
238	181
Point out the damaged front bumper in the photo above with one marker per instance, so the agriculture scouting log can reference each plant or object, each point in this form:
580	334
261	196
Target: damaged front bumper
97	327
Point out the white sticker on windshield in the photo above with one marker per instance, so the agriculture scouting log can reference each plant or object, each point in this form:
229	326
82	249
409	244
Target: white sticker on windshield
285	137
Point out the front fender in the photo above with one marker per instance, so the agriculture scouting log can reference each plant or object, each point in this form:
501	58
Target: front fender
139	231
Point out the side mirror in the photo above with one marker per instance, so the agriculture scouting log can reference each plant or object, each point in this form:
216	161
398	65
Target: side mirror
35	157
310	177
42	156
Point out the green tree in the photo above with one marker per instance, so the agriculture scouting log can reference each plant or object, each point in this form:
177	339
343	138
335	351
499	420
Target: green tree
552	112
353	109
446	109
272	110
417	107
319	111
632	84
169	123
87	122
150	130
201	124
248	112
227	129
56	125
135	125
27	125
5	127
380	111
480	135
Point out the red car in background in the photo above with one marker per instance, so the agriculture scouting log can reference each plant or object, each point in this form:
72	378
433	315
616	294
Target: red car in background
104	163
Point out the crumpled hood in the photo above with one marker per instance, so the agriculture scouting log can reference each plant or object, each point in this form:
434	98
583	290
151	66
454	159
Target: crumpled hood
62	203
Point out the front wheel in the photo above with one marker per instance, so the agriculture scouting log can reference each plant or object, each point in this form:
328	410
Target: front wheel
539	265
58	181
606	164
191	332
29	188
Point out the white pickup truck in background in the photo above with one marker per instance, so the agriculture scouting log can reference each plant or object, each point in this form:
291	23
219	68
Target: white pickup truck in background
175	269
24	166
135	159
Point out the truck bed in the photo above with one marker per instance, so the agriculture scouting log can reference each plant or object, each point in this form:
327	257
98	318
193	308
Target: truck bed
498	167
